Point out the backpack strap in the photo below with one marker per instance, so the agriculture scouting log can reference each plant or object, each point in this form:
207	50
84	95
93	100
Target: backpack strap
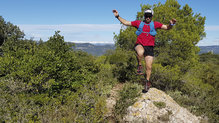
140	29
152	29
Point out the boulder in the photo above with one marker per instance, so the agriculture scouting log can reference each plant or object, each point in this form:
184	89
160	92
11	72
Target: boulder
158	107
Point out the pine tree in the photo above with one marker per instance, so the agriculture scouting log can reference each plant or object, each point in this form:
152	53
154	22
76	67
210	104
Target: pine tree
8	31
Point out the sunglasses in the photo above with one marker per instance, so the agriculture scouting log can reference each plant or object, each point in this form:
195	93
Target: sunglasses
147	15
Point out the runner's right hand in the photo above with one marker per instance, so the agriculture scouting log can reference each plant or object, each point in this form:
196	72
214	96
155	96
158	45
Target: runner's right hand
115	12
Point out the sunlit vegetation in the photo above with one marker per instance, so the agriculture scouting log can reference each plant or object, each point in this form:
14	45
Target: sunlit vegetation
50	82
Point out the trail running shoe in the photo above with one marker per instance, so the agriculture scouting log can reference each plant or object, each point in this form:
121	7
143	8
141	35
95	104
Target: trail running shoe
147	86
140	70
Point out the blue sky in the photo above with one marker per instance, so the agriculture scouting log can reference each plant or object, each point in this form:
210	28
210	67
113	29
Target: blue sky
92	20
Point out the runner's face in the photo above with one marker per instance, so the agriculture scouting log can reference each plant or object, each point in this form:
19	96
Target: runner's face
148	17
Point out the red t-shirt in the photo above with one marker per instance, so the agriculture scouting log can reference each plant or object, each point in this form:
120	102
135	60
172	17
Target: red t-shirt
146	39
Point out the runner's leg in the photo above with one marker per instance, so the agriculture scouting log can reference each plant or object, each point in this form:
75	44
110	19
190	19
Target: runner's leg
140	53
149	61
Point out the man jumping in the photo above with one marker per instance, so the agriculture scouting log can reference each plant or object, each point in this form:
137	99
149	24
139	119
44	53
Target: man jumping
144	45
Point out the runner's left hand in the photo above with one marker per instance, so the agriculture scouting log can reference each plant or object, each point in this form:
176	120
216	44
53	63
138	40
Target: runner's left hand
173	21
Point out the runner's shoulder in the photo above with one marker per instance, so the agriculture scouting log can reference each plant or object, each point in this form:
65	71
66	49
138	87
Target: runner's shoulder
136	23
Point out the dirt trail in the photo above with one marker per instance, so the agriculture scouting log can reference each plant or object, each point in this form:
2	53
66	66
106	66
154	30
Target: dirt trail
111	101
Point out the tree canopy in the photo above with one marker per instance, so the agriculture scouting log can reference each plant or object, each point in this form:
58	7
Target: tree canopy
8	30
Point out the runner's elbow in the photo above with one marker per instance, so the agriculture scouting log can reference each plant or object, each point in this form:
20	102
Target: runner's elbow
127	23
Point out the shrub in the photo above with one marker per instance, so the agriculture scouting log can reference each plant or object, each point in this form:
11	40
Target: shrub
125	64
49	82
160	105
165	78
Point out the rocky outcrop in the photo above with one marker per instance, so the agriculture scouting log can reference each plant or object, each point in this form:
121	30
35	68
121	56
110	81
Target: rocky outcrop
158	107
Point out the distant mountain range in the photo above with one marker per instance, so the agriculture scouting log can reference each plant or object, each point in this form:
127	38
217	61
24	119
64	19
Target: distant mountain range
214	49
94	49
100	49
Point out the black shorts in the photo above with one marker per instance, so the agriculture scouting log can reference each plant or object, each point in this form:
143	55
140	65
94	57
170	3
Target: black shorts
148	50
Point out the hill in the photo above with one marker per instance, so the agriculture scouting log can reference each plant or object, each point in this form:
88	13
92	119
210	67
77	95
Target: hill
205	49
94	49
100	49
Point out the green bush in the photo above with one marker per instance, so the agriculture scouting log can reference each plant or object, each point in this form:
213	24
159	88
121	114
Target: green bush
166	78
87	105
210	68
196	95
125	64
160	105
192	89
48	67
105	74
49	82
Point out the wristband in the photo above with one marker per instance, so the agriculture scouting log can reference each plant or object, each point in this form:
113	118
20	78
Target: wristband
172	24
117	16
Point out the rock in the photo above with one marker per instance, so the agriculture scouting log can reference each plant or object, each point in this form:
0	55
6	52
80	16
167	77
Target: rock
156	106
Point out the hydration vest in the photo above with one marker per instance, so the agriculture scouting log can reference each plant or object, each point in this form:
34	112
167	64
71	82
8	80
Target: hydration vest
152	29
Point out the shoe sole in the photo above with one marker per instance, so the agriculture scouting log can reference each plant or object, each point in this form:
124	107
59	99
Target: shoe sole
140	73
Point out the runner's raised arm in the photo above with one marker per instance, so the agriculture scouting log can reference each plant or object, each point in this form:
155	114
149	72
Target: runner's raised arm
123	21
167	27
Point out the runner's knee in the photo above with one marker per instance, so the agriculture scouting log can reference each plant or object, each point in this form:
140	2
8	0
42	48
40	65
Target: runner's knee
139	50
140	53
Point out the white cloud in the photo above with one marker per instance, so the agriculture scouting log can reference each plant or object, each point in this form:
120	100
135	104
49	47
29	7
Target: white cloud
72	27
208	42
73	32
211	38
94	42
212	28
